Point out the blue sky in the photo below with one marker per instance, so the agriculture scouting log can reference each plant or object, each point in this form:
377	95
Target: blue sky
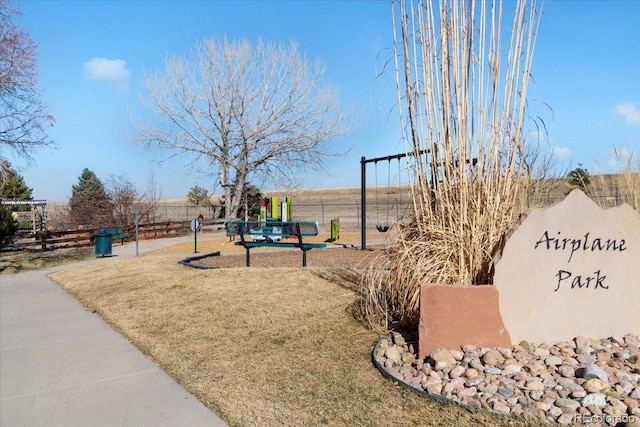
92	58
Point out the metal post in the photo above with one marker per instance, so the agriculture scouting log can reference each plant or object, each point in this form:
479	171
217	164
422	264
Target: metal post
136	224
363	198
195	237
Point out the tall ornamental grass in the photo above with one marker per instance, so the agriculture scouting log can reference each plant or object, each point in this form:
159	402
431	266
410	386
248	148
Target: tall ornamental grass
462	72
621	187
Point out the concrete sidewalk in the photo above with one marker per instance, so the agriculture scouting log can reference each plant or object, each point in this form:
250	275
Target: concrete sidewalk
61	365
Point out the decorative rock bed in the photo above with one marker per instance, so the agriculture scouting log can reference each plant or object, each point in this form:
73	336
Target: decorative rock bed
581	381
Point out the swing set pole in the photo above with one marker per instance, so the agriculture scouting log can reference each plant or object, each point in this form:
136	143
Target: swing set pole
363	198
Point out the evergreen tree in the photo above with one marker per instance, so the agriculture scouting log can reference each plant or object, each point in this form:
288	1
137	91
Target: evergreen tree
8	225
13	187
89	204
580	178
251	197
198	196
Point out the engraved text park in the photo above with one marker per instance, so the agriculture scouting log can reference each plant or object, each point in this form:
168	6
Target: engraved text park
584	244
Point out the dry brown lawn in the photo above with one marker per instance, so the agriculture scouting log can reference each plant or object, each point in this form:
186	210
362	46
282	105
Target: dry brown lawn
17	262
258	346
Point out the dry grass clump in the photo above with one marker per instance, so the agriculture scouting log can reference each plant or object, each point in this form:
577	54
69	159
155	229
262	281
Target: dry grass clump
621	187
452	250
464	103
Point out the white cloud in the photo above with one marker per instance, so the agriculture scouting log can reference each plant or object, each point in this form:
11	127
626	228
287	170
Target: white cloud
630	111
114	70
562	153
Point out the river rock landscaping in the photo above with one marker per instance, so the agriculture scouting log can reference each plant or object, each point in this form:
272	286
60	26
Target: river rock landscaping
584	381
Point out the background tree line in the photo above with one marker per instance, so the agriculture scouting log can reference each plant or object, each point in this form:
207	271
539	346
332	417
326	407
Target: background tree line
94	203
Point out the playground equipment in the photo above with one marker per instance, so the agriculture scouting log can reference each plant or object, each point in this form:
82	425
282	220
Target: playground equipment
384	227
335	230
37	208
273	210
363	192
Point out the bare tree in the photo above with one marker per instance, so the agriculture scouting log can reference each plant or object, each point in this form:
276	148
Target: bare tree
242	110
148	201
122	193
23	119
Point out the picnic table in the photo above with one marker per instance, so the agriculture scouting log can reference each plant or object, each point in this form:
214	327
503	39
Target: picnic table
254	234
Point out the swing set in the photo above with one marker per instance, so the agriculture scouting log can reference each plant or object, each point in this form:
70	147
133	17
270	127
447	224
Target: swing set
382	227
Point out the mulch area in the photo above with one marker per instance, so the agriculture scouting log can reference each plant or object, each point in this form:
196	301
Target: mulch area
335	257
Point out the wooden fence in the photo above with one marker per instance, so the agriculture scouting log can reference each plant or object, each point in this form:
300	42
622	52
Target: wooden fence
50	240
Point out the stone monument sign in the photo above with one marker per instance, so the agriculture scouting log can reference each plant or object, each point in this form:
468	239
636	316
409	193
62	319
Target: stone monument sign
571	269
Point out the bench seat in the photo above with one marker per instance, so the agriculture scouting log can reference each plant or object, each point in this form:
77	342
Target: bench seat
121	237
116	234
256	244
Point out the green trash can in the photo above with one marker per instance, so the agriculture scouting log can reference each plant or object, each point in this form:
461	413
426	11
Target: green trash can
103	243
